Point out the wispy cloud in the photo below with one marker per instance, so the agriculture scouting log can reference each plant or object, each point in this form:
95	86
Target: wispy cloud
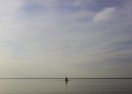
104	15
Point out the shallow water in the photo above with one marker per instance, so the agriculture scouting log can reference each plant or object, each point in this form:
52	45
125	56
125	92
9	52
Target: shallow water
59	86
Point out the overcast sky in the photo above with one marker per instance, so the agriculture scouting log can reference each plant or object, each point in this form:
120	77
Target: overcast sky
59	38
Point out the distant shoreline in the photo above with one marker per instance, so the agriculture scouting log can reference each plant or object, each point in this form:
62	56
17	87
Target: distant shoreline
64	78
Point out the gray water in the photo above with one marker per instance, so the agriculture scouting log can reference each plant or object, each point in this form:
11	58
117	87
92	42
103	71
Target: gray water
59	86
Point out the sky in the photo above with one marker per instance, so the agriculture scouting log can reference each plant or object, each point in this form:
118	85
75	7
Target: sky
65	38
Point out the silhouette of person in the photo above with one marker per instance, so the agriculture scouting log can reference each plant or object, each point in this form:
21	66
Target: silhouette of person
66	79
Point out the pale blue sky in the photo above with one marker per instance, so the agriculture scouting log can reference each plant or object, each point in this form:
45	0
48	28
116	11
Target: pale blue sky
59	38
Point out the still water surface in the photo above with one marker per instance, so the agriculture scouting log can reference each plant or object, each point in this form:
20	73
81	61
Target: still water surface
59	86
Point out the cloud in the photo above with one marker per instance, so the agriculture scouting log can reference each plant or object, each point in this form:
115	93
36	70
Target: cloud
103	15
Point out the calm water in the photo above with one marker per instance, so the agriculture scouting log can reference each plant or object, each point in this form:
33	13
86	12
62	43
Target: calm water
59	86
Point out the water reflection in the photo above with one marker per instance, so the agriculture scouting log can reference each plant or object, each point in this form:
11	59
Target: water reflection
66	82
59	86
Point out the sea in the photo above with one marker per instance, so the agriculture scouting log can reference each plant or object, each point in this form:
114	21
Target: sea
60	86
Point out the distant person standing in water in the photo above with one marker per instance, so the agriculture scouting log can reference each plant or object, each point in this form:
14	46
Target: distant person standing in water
66	79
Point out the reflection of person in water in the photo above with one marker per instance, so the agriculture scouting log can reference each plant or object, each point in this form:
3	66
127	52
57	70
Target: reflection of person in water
66	79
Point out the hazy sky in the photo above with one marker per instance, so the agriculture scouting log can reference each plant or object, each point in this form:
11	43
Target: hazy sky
59	38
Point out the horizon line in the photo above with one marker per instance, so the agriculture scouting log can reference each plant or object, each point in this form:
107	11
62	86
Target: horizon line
69	78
